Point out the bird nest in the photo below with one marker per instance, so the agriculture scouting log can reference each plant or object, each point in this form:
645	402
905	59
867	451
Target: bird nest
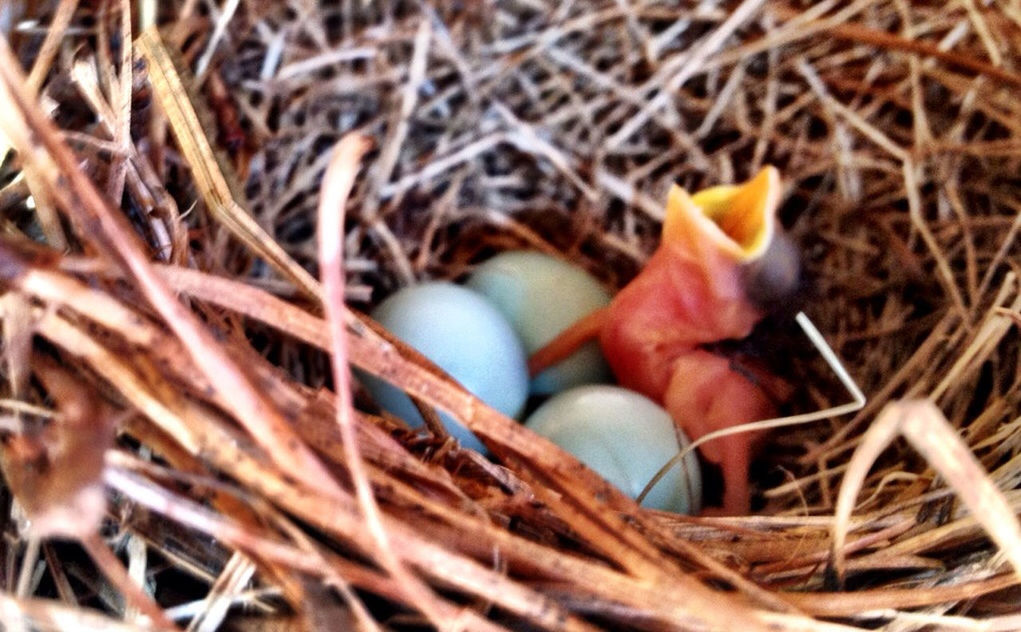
176	451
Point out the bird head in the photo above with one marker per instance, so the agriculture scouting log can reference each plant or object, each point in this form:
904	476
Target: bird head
733	228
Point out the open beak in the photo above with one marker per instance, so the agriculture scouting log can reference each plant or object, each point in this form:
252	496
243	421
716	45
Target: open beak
739	220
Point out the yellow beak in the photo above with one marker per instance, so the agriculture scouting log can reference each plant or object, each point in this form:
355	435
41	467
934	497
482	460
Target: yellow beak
740	220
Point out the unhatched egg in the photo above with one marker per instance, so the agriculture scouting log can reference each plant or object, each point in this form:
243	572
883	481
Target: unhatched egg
541	296
626	438
467	337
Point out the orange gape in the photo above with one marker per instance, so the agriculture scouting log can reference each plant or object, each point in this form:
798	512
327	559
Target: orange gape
694	292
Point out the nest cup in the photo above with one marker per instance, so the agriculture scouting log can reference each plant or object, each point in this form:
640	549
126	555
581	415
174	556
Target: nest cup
167	339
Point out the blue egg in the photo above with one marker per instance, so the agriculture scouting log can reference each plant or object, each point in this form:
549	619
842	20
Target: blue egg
466	337
626	438
541	296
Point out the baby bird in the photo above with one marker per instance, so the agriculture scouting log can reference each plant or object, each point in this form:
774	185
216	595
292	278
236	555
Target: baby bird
721	260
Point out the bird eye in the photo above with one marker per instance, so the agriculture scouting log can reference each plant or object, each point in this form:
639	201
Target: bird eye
774	277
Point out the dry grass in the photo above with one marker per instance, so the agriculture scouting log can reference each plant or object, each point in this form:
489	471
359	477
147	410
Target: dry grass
144	310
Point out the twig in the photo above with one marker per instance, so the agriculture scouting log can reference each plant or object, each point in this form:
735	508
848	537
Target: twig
337	184
118	576
924	425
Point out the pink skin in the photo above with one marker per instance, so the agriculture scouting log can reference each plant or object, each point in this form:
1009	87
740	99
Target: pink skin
690	294
651	337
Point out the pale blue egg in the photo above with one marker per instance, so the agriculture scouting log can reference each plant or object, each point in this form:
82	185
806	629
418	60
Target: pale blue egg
541	296
626	438
465	336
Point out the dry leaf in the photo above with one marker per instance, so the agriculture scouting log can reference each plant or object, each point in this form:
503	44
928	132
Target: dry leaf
56	472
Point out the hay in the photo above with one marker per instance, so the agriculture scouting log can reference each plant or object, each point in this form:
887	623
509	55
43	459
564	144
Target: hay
173	320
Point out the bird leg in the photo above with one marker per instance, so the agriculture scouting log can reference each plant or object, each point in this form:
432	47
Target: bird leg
567	342
706	394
